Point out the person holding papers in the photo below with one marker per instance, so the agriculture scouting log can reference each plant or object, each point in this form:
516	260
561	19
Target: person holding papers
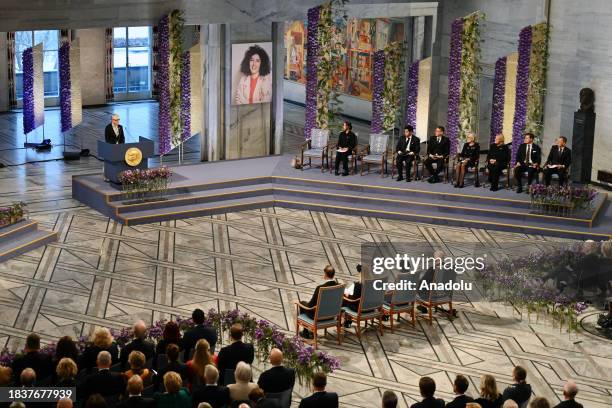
352	295
346	143
408	148
559	160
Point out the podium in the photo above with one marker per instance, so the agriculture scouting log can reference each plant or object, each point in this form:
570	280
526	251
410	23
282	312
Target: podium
117	156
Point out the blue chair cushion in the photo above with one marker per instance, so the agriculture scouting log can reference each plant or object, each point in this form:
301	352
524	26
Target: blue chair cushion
307	319
364	315
398	308
373	158
313	152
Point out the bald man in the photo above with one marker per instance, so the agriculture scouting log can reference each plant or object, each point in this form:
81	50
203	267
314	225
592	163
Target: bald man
140	343
569	395
278	378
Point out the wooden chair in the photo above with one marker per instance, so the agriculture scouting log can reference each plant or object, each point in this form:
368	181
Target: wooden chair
317	146
327	313
474	170
370	306
431	299
401	301
375	152
505	172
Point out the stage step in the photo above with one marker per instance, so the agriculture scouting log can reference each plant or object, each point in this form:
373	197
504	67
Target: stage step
23	237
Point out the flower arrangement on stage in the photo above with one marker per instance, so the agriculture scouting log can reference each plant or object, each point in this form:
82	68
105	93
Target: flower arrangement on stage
393	84
562	201
12	214
175	24
312	52
412	94
28	91
499	88
186	97
65	87
454	84
164	130
141	183
522	86
265	336
378	84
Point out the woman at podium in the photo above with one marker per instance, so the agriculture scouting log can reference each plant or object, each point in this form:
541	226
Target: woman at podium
114	131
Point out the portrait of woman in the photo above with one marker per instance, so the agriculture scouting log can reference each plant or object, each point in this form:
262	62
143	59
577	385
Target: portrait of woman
255	82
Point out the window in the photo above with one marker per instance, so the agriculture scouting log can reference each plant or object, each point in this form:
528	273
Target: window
132	60
50	40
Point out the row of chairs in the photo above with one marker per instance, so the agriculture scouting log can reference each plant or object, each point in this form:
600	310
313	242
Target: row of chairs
374	305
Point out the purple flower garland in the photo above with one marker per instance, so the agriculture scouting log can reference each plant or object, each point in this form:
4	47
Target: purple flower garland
522	86
186	96
312	52
28	90
454	84
163	77
378	80
65	88
499	89
412	93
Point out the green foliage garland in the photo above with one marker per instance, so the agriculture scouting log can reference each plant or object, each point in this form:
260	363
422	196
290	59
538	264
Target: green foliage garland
176	51
393	84
537	80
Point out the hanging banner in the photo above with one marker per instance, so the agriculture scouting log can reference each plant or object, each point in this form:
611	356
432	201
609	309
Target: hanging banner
76	101
196	89
33	88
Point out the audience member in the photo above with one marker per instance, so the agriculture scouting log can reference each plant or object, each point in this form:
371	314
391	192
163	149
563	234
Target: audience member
528	160
351	298
139	343
438	150
520	391
195	367
472	405
66	372
66	347
137	361
216	395
103	382
460	386
497	160
32	358
17	404
308	307
278	378
510	404
489	395
259	400
197	332
427	387
175	396
237	351
243	386
539	402
170	335
320	398
570	389
96	401
389	399
172	364
27	378
204	405
134	392
6	376
102	341
64	403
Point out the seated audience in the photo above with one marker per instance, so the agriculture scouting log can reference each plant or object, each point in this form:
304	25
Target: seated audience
96	401
216	395
172	364
278	378
539	402
259	400
520	391
407	151
237	351
135	398
389	399
103	381
136	361
497	160
320	398
195	367
468	158
460	386
243	386
28	378
139	343
489	396
102	341
438	149
66	372
328	280
197	332
528	160
352	295
510	404
175	396
427	388
66	347
170	335
32	358
558	161
570	390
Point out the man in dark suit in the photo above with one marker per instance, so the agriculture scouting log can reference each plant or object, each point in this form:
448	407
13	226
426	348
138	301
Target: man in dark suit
113	133
32	358
497	160
135	398
320	398
408	149
230	356
216	395
172	364
427	387
351	298
558	161
528	158
328	280
520	391
389	399
569	394
259	400
199	331
103	381
438	149
460	386
278	378
139	343
346	143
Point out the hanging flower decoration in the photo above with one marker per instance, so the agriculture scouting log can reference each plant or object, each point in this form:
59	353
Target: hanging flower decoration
28	90
164	87
312	52
522	87
378	79
175	27
538	62
412	93
499	88
393	82
65	88
186	96
454	83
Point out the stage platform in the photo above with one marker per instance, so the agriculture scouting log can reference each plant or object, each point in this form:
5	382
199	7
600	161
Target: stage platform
235	185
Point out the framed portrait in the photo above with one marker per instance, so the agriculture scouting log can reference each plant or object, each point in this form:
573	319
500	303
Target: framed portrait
251	73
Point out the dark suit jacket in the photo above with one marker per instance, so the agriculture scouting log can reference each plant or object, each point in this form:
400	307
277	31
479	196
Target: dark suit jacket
196	333
177	367
442	148
230	356
277	379
102	382
402	144
485	403
267	403
519	393
111	137
216	395
499	153
313	300
564	159
429	403
144	346
459	401
40	363
137	402
322	399
569	404
90	355
536	154
347	140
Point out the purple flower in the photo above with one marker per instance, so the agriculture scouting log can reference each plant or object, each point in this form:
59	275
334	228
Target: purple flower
499	89
454	84
27	61
163	77
312	52
378	80
522	87
412	93
65	87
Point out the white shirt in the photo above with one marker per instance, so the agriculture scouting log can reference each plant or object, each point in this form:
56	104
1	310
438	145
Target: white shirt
116	130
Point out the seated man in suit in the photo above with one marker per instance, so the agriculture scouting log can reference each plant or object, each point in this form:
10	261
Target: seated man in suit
328	280
139	343
408	149
460	386
320	398
103	382
259	399
278	378
32	358
197	332
528	160
438	148
558	161
569	396
231	355
352	295
113	133
427	387
135	398
216	395
497	160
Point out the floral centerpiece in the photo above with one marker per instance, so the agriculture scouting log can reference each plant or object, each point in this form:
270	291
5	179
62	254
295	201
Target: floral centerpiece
561	201
140	182
12	214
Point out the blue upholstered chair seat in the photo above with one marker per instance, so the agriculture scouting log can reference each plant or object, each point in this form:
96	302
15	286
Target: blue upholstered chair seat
398	308
320	323
313	152
364	314
373	158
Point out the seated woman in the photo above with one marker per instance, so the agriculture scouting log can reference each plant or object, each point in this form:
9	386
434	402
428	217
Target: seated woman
201	358
175	396
467	158
136	360
66	372
243	386
489	396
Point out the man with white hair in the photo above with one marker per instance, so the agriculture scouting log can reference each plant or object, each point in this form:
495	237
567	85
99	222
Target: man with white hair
103	382
139	343
114	131
570	389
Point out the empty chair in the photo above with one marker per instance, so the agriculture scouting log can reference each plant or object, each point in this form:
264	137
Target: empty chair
431	299
375	152
401	301
317	146
327	313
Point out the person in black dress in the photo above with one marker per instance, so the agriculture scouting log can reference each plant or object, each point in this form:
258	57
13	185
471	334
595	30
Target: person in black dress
407	149
467	158
497	160
347	141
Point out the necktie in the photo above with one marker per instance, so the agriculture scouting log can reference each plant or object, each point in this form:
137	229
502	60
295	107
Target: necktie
528	154
438	140
560	151
408	144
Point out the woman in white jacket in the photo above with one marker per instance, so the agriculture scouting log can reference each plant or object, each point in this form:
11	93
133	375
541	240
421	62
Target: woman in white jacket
255	85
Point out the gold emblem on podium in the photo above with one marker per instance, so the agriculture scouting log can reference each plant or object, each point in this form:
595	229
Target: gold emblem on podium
133	156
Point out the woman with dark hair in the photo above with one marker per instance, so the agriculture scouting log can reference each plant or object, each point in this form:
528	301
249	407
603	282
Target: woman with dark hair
255	85
66	348
171	335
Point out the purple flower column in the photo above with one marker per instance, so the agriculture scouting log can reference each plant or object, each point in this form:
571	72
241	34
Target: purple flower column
186	96
378	84
65	88
312	53
522	86
28	90
454	84
412	93
163	76
499	89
